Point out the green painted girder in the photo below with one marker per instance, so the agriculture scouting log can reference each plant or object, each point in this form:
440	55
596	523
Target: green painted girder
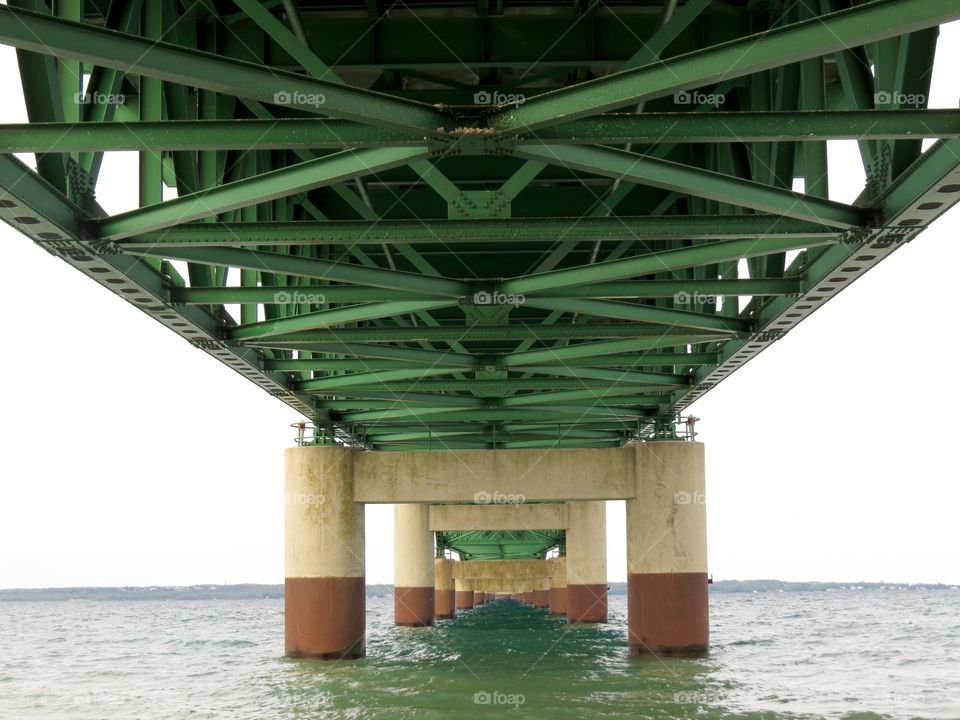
333	317
774	126
695	256
314	339
649	359
517	432
134	55
500	545
30	204
637	313
317	269
540	414
270	185
515	231
644	170
772	48
639	289
610	129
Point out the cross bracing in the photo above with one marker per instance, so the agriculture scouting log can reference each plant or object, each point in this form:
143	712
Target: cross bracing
479	225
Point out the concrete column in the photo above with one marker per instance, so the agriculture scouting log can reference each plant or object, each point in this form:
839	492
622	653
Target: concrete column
479	598
413	593
324	598
667	551
444	590
587	562
464	594
541	593
558	585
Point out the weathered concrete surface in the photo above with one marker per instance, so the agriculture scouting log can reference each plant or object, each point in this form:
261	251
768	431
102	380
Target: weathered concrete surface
509	516
473	475
324	600
667	551
587	562
502	569
413	565
444	589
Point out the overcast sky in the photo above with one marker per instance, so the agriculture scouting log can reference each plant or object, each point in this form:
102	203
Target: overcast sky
130	458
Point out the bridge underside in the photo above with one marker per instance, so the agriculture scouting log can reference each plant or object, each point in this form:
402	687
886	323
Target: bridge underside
478	225
491	225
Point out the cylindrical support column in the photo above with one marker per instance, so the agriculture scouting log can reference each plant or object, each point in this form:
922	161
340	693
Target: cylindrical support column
324	594
558	585
478	598
667	551
587	561
413	595
464	594
444	590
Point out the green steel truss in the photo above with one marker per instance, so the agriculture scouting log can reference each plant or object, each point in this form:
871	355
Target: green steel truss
489	224
500	544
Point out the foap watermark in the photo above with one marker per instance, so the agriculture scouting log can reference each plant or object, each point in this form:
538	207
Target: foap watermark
98	98
495	97
684	97
298	98
498	298
302	498
899	99
689	498
498	498
285	297
683	297
691	697
483	697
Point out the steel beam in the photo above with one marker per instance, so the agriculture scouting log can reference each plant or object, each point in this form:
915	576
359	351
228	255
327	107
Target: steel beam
134	55
516	231
257	189
866	23
652	263
698	182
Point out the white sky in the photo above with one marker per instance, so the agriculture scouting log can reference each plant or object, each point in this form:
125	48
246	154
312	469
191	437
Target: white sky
128	457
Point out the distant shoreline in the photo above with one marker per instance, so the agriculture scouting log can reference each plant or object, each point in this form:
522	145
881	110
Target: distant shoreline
275	592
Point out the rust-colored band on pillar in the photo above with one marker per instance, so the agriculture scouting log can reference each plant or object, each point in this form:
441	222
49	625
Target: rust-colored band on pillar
587	603
444	589
558	600
667	597
324	617
463	594
324	594
445	603
413	606
668	614
541	598
558	585
478	598
414	567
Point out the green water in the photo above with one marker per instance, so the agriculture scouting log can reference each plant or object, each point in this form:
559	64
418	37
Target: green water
852	654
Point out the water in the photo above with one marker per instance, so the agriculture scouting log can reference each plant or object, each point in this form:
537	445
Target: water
850	654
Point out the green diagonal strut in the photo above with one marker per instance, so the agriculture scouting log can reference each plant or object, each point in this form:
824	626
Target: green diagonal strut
137	56
773	48
257	189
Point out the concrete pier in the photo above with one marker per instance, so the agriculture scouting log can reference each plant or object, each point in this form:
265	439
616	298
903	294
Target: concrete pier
463	593
324	594
558	585
444	591
413	565
587	562
667	551
661	482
